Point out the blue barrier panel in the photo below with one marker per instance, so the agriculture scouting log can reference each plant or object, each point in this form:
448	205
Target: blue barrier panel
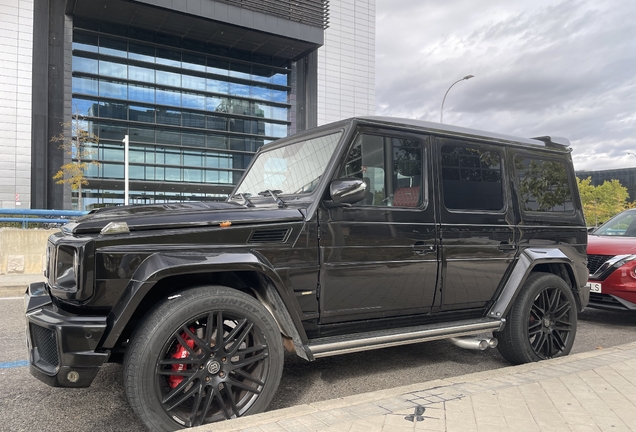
50	216
34	220
37	212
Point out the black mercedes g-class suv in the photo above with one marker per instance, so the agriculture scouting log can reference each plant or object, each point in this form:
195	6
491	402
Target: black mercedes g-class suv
366	233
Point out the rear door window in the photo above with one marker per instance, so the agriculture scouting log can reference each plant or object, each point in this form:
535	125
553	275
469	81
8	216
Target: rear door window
471	176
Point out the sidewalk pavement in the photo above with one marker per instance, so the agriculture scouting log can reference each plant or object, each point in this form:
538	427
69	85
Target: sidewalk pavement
14	285
592	391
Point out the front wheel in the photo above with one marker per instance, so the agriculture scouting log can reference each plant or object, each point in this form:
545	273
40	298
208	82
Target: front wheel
203	355
542	322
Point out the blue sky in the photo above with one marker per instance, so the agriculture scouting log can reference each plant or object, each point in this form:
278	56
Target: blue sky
563	68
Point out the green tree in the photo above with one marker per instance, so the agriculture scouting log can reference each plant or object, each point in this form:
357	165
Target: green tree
80	144
603	201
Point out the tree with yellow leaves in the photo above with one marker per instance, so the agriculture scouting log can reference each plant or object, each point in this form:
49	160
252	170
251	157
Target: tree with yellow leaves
80	144
603	201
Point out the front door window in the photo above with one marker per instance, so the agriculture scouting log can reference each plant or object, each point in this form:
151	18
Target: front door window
391	167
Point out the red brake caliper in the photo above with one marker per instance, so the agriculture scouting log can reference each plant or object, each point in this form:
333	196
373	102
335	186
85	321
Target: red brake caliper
180	353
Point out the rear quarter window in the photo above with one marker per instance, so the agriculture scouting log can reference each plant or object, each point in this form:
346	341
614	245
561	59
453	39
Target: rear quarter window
543	185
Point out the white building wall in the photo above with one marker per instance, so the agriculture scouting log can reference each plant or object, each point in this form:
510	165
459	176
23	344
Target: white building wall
346	62
16	46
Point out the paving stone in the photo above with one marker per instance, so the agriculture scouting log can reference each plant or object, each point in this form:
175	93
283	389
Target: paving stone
520	424
482	419
272	427
616	429
342	427
610	420
460	426
365	427
576	418
367	410
488	427
310	421
431	424
393	428
584	428
295	425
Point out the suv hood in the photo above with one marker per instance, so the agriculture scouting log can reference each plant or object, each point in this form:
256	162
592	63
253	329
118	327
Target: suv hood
610	245
180	215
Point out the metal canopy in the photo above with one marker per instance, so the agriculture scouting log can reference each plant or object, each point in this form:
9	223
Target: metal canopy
163	20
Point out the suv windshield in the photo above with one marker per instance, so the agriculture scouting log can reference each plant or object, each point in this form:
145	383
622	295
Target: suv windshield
623	225
292	169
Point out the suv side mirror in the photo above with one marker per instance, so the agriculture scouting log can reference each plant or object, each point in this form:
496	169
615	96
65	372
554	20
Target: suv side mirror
348	190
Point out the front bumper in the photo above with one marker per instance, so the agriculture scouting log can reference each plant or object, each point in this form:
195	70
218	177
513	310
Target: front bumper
610	302
62	347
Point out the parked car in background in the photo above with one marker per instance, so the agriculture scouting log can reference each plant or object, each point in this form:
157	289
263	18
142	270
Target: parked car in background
611	259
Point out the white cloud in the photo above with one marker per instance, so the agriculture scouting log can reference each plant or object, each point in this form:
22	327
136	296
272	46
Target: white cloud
565	68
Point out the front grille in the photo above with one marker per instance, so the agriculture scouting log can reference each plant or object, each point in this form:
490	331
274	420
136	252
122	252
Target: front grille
594	262
269	236
45	341
603	298
605	301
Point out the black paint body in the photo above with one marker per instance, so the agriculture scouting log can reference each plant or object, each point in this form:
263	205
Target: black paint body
322	269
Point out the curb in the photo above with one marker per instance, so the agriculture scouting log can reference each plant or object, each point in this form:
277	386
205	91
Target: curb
304	409
12	290
15	285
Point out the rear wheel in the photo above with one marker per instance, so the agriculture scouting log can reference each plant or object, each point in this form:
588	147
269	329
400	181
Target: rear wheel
203	355
541	323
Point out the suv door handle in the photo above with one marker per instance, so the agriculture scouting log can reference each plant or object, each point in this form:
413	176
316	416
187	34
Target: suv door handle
505	246
421	248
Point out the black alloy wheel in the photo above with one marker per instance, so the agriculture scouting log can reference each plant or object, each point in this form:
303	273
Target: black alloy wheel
205	355
541	323
223	374
550	323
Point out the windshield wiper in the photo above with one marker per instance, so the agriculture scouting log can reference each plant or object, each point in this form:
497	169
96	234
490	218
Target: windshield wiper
272	193
245	197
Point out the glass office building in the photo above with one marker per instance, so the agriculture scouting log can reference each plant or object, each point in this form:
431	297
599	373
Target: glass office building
194	113
197	86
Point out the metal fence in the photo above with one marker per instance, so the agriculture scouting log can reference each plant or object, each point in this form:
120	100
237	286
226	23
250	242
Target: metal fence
27	216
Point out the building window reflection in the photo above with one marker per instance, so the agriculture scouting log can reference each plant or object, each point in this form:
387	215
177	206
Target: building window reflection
194	113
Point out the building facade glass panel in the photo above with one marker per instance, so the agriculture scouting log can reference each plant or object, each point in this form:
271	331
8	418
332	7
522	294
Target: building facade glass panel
166	95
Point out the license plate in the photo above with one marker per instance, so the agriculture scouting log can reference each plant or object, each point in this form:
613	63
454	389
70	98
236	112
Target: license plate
594	287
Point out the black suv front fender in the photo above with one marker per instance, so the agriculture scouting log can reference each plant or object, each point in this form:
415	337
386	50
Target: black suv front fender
163	265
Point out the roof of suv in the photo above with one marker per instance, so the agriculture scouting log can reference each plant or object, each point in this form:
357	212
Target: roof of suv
555	144
558	143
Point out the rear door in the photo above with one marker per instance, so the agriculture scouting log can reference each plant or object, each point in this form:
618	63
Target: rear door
379	256
477	230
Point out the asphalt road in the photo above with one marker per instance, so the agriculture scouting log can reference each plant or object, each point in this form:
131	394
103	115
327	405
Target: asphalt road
28	405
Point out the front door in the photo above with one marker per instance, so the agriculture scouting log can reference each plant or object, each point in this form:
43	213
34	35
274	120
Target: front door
379	256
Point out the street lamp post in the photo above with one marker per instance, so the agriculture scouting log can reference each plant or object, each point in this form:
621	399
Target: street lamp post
441	111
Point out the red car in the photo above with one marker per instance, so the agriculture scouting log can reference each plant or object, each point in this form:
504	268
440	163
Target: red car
611	259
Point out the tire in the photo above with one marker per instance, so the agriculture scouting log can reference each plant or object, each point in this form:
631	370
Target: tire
177	375
541	323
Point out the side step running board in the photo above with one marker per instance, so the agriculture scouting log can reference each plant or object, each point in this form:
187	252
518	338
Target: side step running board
333	345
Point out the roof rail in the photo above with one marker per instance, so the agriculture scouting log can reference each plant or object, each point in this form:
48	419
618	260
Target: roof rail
554	141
